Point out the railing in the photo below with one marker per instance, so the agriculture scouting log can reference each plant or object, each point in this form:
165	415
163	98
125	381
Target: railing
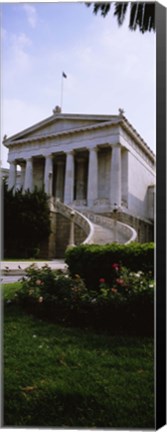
125	233
123	230
128	232
79	219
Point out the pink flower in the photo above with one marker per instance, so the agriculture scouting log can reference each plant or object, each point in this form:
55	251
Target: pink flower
116	266
120	281
39	282
102	280
114	290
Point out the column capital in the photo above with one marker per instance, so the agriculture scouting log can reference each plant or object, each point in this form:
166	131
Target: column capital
116	145
93	149
12	162
48	156
70	152
29	159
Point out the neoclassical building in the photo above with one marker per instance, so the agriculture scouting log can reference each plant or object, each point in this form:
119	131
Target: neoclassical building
87	161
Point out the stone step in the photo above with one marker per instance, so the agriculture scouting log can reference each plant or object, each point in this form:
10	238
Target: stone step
102	235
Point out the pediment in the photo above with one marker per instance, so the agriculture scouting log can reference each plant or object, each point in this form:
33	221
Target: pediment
57	124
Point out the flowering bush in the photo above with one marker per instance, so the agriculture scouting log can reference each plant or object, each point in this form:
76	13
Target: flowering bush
123	303
125	284
46	286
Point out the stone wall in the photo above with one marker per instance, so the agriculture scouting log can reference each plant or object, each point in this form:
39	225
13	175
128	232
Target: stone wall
144	229
63	235
59	238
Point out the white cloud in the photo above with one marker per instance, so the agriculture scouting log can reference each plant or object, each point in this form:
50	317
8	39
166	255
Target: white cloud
17	60
31	14
21	41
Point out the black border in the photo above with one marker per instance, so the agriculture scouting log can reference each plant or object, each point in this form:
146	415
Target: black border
160	332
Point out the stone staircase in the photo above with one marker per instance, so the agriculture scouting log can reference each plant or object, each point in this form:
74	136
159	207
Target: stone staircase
108	230
102	235
98	229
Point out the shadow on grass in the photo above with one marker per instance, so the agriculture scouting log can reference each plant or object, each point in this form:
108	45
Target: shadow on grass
59	409
78	379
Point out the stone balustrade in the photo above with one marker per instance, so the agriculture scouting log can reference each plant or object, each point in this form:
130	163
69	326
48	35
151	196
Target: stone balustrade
79	219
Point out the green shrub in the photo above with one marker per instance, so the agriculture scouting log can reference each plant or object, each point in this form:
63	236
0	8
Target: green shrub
51	287
123	304
94	261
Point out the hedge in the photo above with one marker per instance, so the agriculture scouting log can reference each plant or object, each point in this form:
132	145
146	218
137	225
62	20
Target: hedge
92	262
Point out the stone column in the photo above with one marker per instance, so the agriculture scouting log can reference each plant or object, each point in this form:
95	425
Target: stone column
92	193
69	179
80	179
28	181
59	193
22	174
71	240
115	184
48	175
12	175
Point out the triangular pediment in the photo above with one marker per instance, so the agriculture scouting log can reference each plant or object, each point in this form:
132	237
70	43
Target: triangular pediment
59	123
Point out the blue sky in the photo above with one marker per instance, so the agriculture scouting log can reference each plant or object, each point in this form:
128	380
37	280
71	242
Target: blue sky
107	67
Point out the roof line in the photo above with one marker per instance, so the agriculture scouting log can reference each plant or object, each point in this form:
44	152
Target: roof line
60	116
122	120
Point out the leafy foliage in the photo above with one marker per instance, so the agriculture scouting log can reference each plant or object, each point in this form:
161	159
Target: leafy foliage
26	222
142	14
124	304
92	262
51	287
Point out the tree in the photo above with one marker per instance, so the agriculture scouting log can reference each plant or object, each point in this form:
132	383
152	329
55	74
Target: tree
142	15
26	222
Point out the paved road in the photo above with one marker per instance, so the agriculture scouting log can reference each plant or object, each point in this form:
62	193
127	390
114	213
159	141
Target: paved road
9	279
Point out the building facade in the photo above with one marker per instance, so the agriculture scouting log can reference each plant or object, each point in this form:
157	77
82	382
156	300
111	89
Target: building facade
95	162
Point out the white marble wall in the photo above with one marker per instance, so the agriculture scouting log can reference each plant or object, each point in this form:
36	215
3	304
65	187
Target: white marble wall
139	179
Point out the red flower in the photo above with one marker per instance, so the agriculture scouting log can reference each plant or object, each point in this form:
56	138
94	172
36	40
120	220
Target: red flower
120	281
116	266
102	280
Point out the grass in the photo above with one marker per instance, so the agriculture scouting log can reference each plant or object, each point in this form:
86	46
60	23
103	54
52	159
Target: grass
64	377
10	289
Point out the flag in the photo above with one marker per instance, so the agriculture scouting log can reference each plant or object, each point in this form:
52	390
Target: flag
64	75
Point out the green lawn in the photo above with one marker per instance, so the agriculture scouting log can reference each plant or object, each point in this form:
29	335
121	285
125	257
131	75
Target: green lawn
64	377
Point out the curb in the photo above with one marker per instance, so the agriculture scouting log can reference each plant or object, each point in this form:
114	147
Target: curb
13	273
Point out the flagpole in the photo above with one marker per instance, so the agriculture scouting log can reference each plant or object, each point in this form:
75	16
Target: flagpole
63	75
61	100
